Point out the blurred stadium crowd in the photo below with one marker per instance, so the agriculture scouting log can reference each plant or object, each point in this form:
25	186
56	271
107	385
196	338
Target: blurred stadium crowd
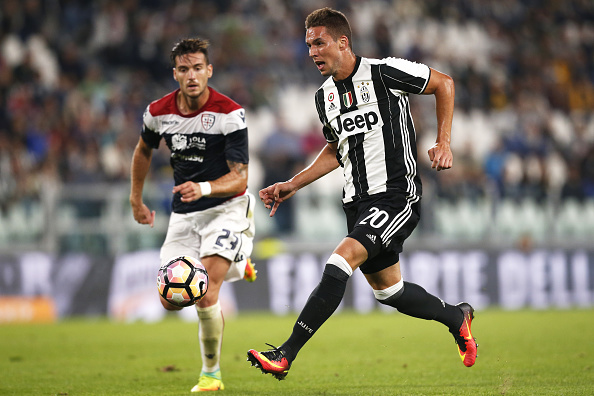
76	76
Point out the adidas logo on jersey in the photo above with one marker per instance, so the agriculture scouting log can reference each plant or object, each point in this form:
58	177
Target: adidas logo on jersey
332	107
371	237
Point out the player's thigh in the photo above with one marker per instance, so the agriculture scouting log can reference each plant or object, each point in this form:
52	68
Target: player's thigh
352	251
217	268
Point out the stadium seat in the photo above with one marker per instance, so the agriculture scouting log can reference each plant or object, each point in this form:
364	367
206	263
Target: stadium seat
463	219
445	219
4	231
514	220
574	219
319	217
473	218
25	221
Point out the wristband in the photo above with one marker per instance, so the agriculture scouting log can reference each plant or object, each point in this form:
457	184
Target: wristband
205	188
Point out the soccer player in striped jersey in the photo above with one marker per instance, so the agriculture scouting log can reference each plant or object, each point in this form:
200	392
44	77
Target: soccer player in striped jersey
364	110
212	211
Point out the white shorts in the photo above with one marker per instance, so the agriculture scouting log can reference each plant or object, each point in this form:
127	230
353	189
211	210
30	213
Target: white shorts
226	230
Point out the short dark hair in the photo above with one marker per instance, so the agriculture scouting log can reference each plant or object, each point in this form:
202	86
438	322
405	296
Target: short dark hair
189	46
334	21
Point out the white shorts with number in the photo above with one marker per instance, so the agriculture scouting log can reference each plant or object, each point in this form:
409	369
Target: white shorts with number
226	230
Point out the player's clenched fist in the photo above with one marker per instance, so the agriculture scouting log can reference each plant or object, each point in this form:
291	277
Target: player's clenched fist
441	156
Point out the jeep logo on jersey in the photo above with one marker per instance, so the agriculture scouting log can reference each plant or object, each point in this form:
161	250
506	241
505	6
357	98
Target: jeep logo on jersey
208	121
179	142
360	122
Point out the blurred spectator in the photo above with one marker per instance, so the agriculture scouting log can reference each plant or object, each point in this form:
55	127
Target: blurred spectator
312	142
573	189
494	166
281	155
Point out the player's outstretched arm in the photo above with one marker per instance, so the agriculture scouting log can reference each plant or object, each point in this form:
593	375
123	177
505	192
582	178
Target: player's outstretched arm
232	183
141	161
442	86
325	162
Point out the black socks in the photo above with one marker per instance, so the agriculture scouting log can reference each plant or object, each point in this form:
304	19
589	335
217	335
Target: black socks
415	301
411	300
321	304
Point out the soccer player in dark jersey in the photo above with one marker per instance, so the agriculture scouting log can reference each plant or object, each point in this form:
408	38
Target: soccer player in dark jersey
364	109
212	211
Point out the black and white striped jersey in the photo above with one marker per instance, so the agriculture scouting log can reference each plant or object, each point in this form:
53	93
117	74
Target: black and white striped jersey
368	114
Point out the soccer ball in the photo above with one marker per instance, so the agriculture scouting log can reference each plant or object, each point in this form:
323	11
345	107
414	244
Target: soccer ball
182	281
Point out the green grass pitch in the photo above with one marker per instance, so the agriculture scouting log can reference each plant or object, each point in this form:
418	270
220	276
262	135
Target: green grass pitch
520	353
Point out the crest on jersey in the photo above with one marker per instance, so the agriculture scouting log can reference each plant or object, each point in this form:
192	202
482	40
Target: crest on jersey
208	121
179	142
365	95
347	99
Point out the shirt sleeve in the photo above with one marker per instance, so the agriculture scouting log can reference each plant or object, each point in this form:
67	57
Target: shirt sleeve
236	137
329	134
406	76
149	131
327	130
234	121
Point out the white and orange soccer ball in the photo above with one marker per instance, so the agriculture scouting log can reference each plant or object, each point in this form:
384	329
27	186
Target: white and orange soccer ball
182	281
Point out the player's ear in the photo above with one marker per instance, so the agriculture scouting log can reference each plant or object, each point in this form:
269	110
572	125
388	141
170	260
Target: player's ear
174	74
343	42
209	67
